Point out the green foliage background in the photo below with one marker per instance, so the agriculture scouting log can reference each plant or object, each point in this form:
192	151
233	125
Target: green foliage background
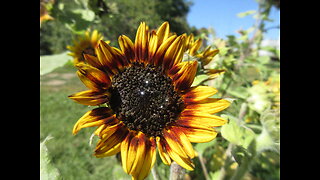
248	147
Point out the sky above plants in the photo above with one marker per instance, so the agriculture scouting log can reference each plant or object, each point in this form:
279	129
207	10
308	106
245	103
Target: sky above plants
222	16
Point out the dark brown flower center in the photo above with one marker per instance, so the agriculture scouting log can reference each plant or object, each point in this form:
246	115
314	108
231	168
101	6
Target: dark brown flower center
88	50
144	99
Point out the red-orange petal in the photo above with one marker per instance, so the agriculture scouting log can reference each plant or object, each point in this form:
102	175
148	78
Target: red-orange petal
163	32
127	47
183	140
209	105
110	140
185	76
141	43
102	115
163	152
173	142
149	159
90	97
182	161
199	120
198	93
124	150
174	53
92	77
198	134
158	57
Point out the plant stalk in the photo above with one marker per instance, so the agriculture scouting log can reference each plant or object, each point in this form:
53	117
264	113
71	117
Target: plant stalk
155	174
176	172
204	169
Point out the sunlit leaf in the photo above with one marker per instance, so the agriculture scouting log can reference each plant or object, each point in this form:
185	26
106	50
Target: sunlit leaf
47	170
86	14
246	13
50	62
198	79
237	133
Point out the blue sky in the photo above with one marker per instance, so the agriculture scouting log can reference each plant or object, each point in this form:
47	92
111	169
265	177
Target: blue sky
222	16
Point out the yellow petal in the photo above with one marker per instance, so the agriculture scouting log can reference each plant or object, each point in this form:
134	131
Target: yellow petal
127	47
90	98
112	151
158	57
174	53
190	41
184	162
185	76
200	119
195	47
111	140
94	115
163	32
109	58
99	129
124	151
174	143
132	153
162	152
149	160
92	77
208	56
184	141
93	61
213	73
153	46
141	42
199	135
198	93
210	105
140	155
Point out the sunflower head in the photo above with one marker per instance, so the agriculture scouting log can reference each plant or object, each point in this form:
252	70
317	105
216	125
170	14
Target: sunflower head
146	102
84	44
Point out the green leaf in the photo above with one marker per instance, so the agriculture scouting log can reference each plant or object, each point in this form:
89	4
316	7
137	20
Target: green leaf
47	170
246	13
214	175
239	92
86	14
264	59
264	141
269	138
50	62
237	133
198	79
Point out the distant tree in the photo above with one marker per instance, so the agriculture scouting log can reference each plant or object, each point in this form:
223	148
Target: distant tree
111	17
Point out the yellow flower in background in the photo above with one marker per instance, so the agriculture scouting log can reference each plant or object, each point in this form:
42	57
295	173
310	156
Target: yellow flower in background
84	44
205	56
193	46
44	14
146	101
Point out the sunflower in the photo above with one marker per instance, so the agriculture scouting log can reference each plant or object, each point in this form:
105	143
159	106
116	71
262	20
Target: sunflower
45	5
146	101
84	44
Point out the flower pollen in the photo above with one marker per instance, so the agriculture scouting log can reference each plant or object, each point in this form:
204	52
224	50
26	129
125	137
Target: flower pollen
144	99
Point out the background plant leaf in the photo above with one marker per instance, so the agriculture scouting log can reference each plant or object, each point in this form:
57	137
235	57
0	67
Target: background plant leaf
47	170
50	62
